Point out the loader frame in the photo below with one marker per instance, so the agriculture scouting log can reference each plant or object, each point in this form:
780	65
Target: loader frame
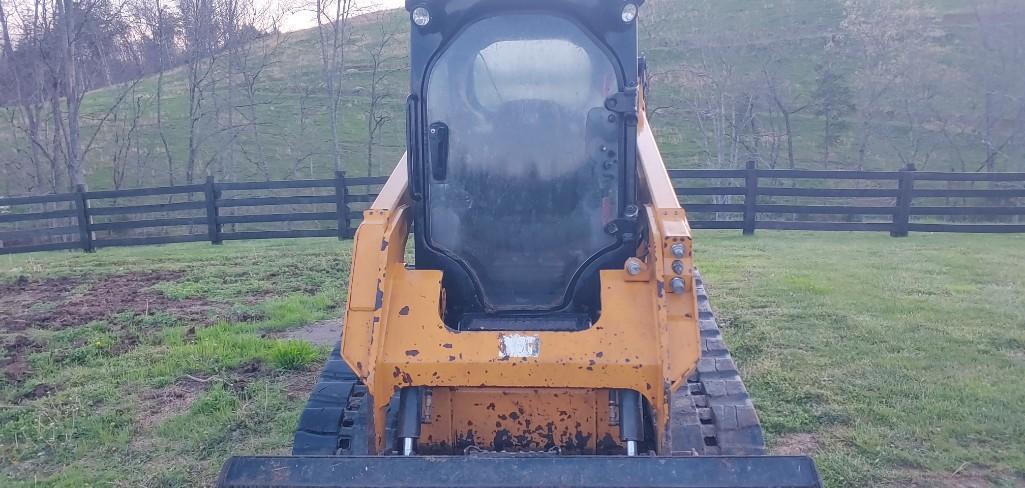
646	339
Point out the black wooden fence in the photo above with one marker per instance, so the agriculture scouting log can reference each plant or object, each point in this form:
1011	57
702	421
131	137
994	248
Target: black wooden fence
211	211
746	199
897	202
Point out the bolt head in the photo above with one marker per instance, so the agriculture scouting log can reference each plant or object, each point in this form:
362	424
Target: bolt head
677	286
678	267
634	266
678	250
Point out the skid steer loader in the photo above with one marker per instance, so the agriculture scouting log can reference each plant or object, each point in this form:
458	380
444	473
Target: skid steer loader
552	329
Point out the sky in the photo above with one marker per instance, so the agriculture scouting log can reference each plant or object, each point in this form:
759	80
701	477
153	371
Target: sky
304	19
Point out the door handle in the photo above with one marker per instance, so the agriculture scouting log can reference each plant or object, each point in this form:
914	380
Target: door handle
437	149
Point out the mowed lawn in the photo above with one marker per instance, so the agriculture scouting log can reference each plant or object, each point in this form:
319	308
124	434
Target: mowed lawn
892	361
902	359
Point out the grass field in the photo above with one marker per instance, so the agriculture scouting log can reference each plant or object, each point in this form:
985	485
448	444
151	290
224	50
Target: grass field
894	361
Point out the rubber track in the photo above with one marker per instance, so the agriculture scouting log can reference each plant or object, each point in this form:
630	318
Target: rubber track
336	416
713	414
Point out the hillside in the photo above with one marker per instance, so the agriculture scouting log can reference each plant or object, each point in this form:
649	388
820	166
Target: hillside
709	60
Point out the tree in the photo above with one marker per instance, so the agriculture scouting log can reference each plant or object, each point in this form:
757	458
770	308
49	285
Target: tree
248	59
66	13
721	97
914	104
377	50
786	99
61	50
21	69
998	73
200	48
253	61
832	102
333	34
295	139
163	27
883	38
125	146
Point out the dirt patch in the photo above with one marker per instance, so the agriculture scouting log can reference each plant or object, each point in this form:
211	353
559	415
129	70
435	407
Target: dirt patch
962	478
239	378
126	341
16	368
157	405
298	385
14	362
236	379
795	445
70	301
39	391
323	333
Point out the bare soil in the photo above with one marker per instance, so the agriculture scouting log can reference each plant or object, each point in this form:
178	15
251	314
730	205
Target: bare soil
16	350
38	391
323	333
68	301
239	378
299	384
156	405
159	404
71	301
795	445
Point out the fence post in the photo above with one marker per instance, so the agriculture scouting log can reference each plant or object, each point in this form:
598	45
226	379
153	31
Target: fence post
85	236
342	205
750	198
213	227
902	212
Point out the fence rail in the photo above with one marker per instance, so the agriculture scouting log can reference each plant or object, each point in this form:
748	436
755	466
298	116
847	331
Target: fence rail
905	197
202	215
744	199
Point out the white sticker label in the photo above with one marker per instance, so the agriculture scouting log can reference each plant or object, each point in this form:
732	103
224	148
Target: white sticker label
518	346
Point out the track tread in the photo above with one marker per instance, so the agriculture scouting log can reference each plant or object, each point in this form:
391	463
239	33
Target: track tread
336	417
713	414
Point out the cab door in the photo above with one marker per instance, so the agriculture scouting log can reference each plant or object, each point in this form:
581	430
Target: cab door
523	171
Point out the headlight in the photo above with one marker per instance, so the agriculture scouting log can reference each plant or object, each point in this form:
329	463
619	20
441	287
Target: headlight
629	13
421	16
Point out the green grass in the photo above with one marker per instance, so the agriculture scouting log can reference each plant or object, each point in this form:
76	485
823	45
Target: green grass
93	429
904	359
293	354
898	355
